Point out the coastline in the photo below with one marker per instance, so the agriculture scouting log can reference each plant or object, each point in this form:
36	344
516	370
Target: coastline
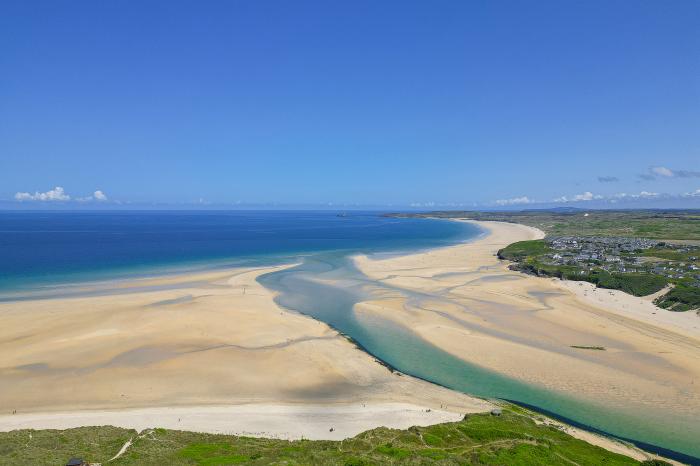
464	300
369	395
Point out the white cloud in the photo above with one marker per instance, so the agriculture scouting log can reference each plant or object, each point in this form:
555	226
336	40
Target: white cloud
59	194
96	196
587	196
622	196
643	194
56	194
655	172
662	171
514	201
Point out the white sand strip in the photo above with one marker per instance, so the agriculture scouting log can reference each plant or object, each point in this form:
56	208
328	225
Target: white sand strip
642	309
258	420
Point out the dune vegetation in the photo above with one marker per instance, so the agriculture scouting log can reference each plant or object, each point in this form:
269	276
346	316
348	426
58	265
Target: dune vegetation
511	438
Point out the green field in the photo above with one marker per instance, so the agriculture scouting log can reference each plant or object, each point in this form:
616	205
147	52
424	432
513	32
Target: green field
512	439
655	224
680	298
521	250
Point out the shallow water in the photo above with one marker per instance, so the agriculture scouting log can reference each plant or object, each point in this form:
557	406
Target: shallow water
327	286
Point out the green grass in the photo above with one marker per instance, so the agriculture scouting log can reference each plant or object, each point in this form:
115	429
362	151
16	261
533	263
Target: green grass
667	254
656	224
680	298
512	439
523	249
636	284
57	446
212	454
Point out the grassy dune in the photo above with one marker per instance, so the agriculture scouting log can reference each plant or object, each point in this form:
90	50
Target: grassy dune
511	439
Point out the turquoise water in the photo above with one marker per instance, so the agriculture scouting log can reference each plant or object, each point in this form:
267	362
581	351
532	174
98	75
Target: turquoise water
300	289
40	252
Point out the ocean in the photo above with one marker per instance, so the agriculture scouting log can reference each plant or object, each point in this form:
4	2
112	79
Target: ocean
50	248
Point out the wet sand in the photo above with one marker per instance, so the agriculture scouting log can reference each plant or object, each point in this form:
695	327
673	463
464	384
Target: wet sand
207	339
464	300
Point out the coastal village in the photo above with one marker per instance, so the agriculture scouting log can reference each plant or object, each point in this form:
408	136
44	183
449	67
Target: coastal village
626	255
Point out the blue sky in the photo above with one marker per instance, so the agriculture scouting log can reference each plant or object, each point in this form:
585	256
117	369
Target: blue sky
370	103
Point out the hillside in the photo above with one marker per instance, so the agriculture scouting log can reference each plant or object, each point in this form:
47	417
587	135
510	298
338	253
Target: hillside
511	439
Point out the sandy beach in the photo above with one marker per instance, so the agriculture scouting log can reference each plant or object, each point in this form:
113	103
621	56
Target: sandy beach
193	342
643	309
464	300
283	421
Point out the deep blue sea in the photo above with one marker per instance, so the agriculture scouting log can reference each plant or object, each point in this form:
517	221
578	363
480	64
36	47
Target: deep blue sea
42	248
